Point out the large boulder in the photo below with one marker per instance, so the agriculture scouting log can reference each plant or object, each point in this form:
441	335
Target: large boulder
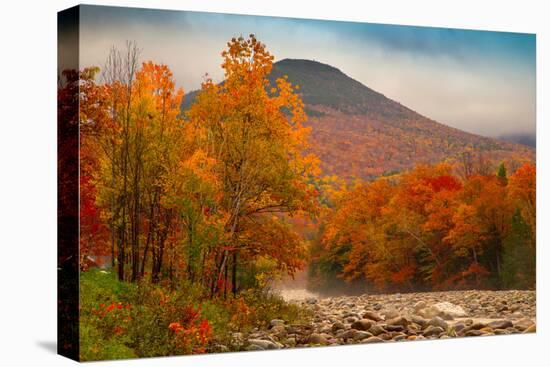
445	310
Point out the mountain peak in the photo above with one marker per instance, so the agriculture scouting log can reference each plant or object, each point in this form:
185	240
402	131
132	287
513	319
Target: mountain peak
358	132
306	64
323	84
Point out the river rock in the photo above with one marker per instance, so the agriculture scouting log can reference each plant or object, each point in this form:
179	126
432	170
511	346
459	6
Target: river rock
363	324
337	326
372	339
476	326
371	315
264	344
291	342
317	339
420	321
254	347
459	326
523	324
474	332
376	330
276	322
349	334
279	331
432	330
360	335
390	314
311	300
394	328
438	321
395	317
500	324
399	320
443	309
399	337
420	305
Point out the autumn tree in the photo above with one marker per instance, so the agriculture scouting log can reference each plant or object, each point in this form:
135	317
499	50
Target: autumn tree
429	229
94	236
523	191
255	134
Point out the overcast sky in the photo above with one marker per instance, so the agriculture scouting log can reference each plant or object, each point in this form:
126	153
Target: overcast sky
482	82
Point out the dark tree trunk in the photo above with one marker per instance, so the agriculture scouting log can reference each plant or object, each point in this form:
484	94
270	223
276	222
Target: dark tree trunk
234	274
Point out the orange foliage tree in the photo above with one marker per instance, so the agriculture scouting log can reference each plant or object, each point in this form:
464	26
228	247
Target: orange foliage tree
428	228
256	137
191	197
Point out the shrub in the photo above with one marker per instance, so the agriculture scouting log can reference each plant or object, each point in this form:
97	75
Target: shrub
120	320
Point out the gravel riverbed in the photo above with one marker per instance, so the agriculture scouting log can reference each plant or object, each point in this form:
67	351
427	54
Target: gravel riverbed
397	317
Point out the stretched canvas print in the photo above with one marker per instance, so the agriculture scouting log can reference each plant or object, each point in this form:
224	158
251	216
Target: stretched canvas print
242	183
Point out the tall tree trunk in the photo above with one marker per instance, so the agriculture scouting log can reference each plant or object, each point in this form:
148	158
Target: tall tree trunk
146	248
225	284
121	257
234	274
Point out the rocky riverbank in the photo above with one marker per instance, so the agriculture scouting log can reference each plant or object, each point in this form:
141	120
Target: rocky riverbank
399	317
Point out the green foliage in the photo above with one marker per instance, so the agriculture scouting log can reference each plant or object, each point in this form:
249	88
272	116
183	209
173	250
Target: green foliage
121	320
519	260
97	286
94	347
502	174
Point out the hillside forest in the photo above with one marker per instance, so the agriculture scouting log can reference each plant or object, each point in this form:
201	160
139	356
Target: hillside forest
187	215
